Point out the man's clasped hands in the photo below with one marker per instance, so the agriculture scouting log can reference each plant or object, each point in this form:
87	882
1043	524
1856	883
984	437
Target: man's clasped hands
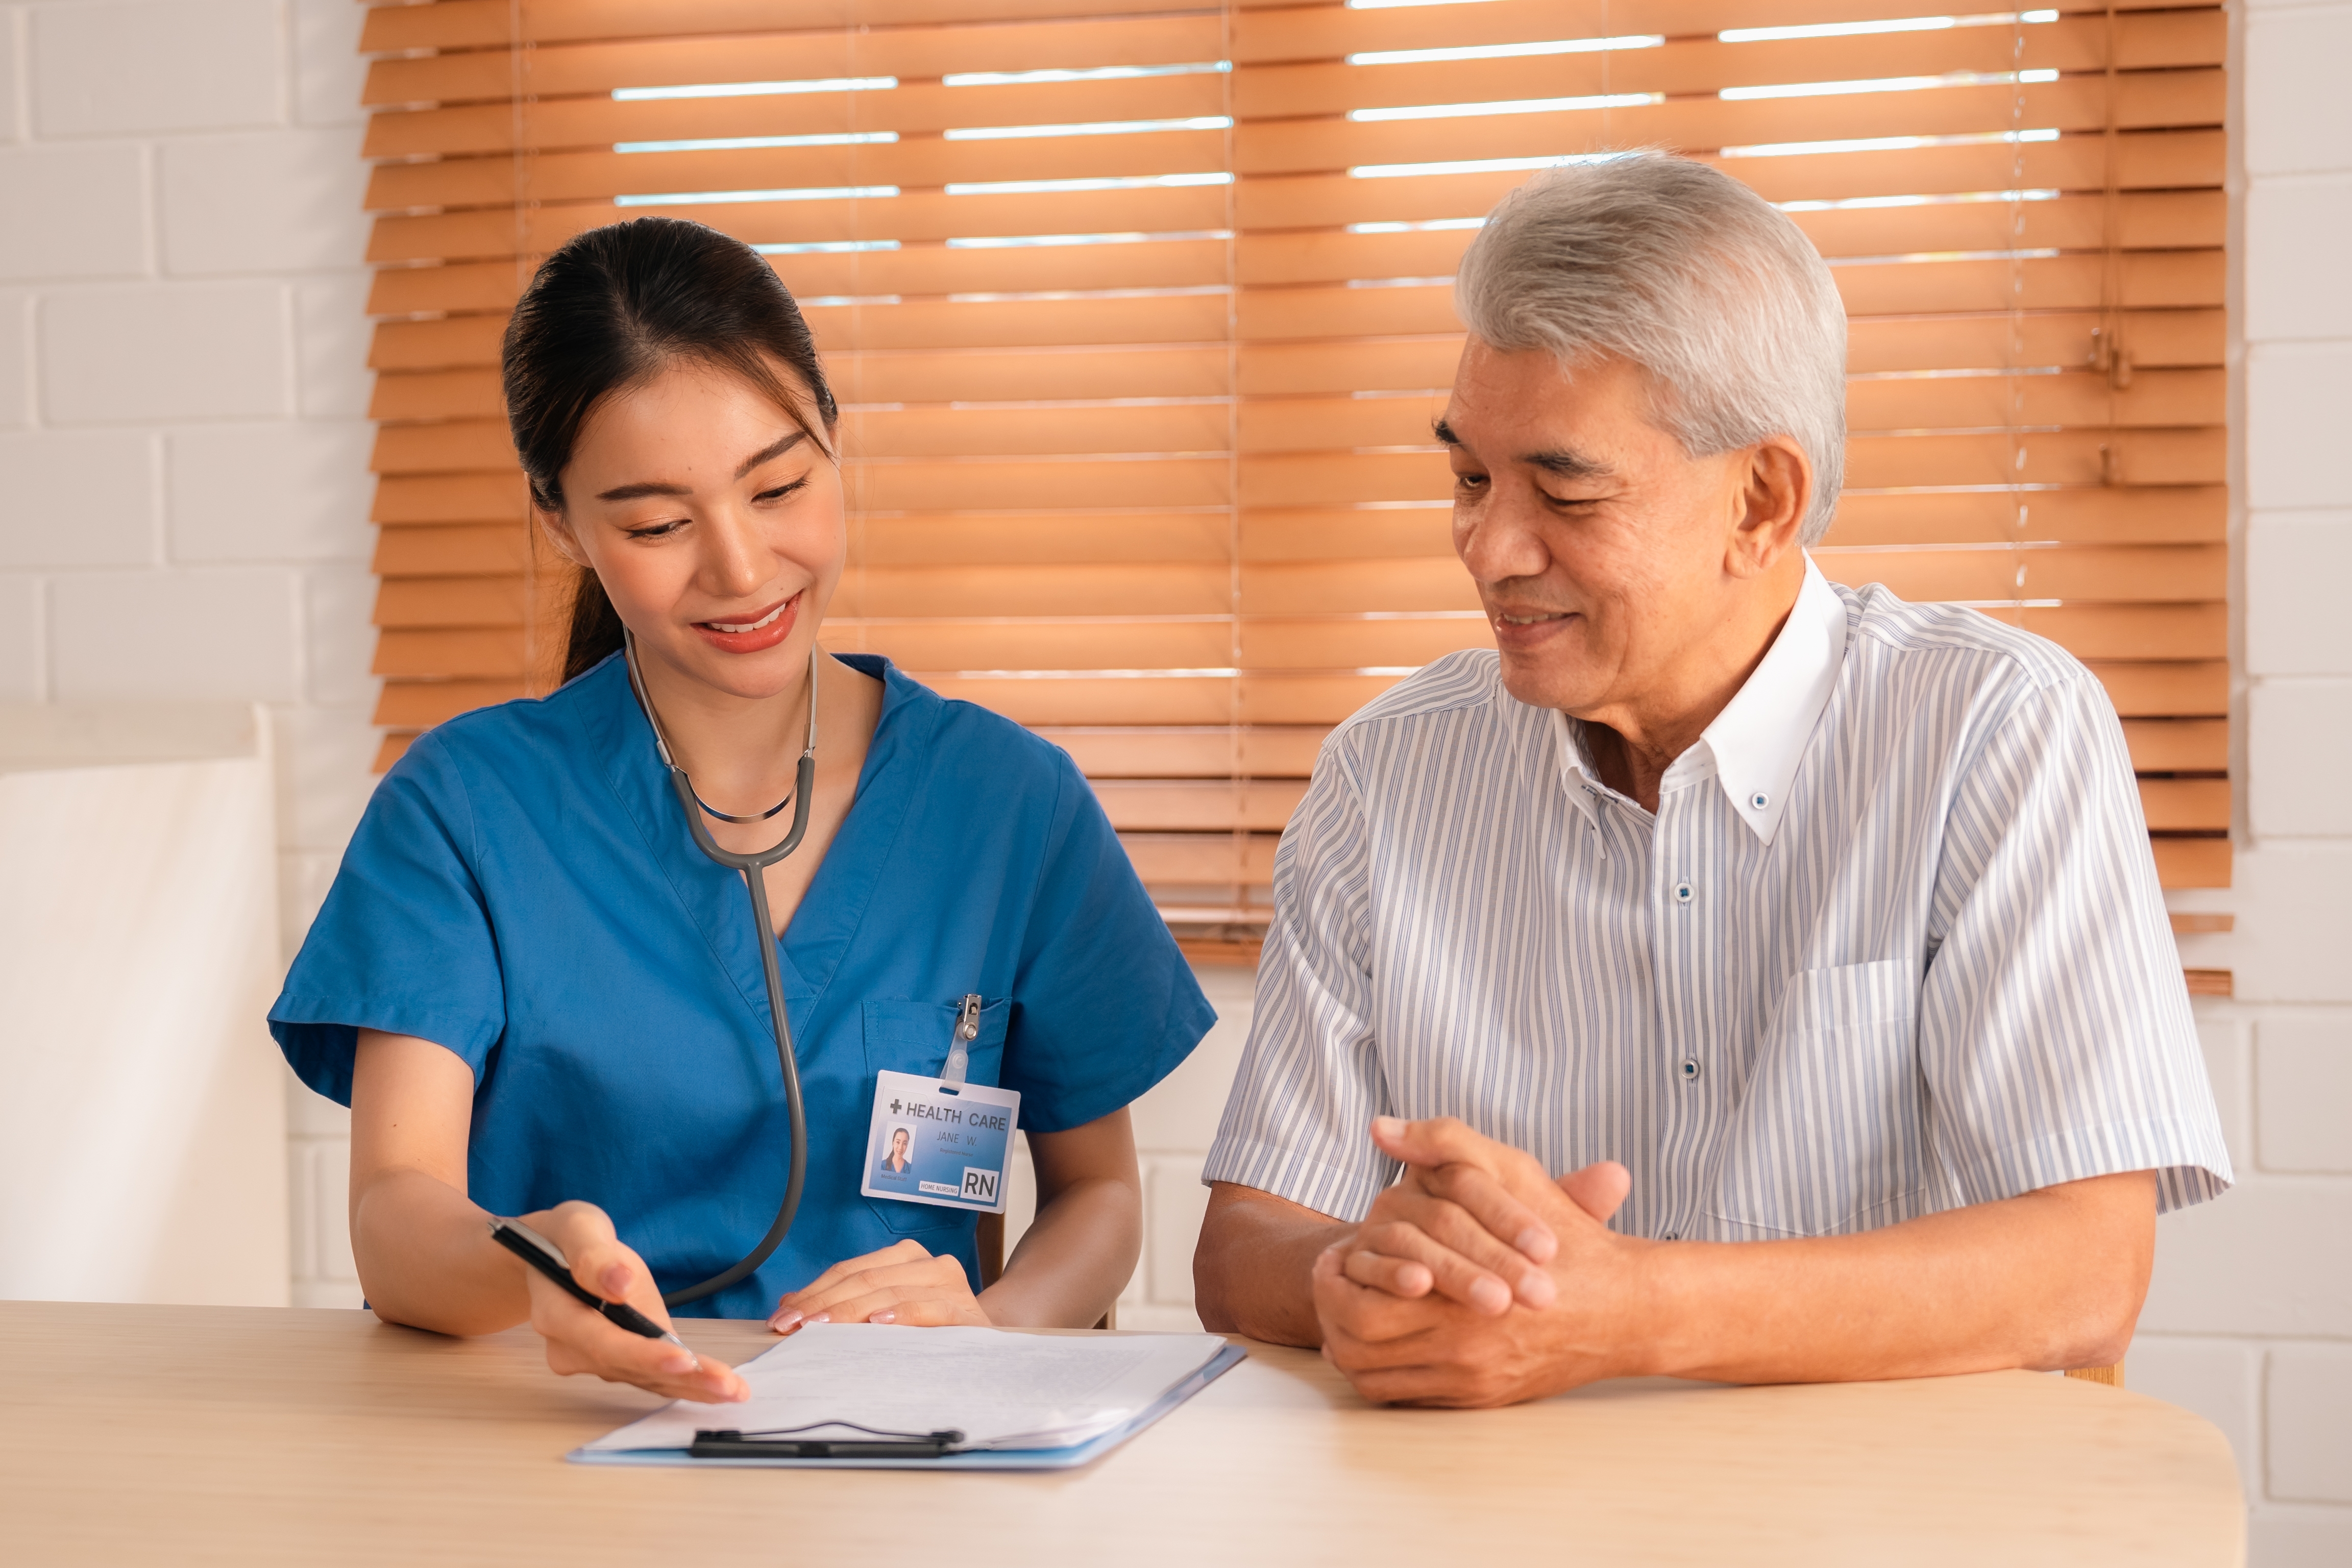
1479	1279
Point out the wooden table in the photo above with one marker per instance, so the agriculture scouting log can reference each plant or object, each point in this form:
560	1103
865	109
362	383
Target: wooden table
258	1436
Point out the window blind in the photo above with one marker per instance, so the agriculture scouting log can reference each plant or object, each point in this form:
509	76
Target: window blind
1140	317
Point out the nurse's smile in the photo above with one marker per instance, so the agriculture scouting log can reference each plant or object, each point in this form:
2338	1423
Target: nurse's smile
755	632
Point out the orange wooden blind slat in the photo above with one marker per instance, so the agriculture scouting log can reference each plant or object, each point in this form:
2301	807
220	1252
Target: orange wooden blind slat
1197	544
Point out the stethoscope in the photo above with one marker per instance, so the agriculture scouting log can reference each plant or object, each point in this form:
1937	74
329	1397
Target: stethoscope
750	865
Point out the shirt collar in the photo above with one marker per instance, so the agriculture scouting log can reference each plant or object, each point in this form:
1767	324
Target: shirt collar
1755	744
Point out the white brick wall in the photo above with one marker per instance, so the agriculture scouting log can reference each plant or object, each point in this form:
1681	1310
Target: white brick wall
184	489
2250	1320
182	505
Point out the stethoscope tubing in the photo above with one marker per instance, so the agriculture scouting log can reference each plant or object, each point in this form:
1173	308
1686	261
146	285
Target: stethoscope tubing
751	867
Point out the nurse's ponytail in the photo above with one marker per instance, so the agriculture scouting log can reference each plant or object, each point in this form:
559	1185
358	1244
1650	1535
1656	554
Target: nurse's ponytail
614	306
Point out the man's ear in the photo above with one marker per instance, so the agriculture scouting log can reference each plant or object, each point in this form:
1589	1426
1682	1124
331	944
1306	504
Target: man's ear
559	533
1776	493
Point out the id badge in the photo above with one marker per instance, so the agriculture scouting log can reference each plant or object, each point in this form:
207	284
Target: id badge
936	1143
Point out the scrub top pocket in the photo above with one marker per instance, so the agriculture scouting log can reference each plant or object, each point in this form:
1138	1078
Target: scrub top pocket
915	1037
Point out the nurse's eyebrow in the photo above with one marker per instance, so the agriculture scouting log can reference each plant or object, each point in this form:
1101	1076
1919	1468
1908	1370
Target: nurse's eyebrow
776	449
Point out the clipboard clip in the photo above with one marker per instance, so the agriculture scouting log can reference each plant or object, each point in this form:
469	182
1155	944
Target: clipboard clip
727	1443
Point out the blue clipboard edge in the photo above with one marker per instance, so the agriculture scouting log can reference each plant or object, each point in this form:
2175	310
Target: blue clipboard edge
1069	1459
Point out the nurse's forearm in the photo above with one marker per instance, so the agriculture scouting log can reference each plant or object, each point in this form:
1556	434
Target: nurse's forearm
425	1258
1074	1260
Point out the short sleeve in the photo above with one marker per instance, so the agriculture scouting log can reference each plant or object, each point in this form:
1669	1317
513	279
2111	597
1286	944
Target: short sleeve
1104	1004
2055	1033
403	943
1310	1082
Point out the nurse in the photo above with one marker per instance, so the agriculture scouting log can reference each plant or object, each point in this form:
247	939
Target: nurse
541	1000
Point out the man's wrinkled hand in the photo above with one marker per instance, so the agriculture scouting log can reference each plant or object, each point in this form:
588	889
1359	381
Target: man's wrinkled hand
1478	1279
1468	1219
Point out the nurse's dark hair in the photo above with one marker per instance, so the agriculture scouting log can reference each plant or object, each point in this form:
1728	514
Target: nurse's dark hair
611	310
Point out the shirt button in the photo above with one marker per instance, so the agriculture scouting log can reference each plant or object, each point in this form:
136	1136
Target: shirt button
1683	892
1670	1236
1690	1069
1760	800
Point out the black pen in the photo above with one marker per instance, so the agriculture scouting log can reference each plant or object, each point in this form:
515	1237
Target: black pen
548	1258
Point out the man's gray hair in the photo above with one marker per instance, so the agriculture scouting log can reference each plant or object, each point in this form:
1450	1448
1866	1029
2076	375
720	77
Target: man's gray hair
1687	273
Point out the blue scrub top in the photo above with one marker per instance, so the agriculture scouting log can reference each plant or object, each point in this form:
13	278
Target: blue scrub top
523	890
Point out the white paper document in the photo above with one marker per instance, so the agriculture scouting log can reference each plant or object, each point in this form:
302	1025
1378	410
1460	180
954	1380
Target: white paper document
1001	1389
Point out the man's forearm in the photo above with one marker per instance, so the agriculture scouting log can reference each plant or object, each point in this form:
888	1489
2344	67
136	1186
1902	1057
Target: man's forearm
1253	1272
2051	1279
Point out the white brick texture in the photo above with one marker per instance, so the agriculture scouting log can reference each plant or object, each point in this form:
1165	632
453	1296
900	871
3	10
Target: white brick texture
2264	1259
16	359
77	497
337	602
20	639
261	202
2291	1537
2298	234
2310	1424
330	347
184	65
2298	118
329	68
217	634
2267	1270
11	67
2299	758
2294	904
2298	424
166	350
74	210
2296	566
2303	1094
288	491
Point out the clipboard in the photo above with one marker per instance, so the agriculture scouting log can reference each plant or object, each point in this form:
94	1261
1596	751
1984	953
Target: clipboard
1066	1459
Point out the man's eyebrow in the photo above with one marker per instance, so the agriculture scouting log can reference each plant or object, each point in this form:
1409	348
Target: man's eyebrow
1444	433
776	449
1568	465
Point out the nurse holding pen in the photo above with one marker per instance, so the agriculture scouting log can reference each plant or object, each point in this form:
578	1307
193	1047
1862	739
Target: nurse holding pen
624	963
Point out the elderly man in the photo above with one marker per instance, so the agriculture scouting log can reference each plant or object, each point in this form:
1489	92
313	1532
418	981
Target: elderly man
1812	934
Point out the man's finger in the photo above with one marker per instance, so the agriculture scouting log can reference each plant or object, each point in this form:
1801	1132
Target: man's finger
1419	1385
1439	1141
1502	1215
1399	1276
1454	1229
1598	1189
1354	1315
1457	1277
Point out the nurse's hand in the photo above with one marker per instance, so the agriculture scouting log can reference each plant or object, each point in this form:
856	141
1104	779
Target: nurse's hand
901	1284
581	1339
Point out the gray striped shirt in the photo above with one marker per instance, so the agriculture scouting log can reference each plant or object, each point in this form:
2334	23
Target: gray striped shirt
1892	942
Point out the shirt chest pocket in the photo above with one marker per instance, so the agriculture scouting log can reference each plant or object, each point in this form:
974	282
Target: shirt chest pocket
915	1037
1828	1134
